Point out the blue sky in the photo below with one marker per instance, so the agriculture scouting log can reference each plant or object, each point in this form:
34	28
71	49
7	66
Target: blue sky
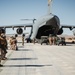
11	11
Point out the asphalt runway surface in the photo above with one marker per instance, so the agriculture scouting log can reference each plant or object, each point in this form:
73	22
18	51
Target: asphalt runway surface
36	59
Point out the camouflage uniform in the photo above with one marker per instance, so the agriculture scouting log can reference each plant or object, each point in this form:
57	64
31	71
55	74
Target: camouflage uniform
3	43
13	43
23	41
0	51
0	55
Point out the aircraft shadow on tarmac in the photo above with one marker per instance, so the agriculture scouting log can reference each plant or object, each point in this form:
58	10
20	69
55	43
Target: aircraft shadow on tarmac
26	65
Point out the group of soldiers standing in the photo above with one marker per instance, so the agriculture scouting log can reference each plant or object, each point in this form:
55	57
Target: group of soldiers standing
3	46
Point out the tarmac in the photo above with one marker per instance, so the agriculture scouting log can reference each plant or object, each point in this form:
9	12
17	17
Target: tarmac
36	59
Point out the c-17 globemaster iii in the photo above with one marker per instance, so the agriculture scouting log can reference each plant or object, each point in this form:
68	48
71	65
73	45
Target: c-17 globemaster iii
44	26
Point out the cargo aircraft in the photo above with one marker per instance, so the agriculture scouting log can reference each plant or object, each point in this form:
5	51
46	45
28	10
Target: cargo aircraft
44	26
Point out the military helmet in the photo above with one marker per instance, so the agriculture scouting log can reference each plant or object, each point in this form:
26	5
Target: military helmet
2	30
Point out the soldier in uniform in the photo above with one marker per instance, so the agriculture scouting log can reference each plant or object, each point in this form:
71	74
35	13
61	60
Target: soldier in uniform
23	40
13	43
0	52
4	47
50	39
0	57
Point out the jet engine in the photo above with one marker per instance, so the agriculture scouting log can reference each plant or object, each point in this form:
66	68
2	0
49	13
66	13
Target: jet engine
60	31
19	31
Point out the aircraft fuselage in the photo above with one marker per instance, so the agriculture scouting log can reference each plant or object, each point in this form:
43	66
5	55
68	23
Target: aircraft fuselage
48	24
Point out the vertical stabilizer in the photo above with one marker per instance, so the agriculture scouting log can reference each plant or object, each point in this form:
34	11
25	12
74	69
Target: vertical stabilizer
49	6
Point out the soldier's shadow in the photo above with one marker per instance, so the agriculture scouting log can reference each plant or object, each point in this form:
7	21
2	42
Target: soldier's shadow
37	65
22	58
24	50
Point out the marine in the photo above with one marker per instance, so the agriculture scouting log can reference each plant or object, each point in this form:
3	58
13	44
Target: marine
13	43
3	46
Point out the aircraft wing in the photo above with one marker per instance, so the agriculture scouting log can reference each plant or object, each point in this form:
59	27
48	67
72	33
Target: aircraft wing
17	26
68	26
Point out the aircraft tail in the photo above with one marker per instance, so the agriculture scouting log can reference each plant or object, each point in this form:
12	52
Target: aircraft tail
49	6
